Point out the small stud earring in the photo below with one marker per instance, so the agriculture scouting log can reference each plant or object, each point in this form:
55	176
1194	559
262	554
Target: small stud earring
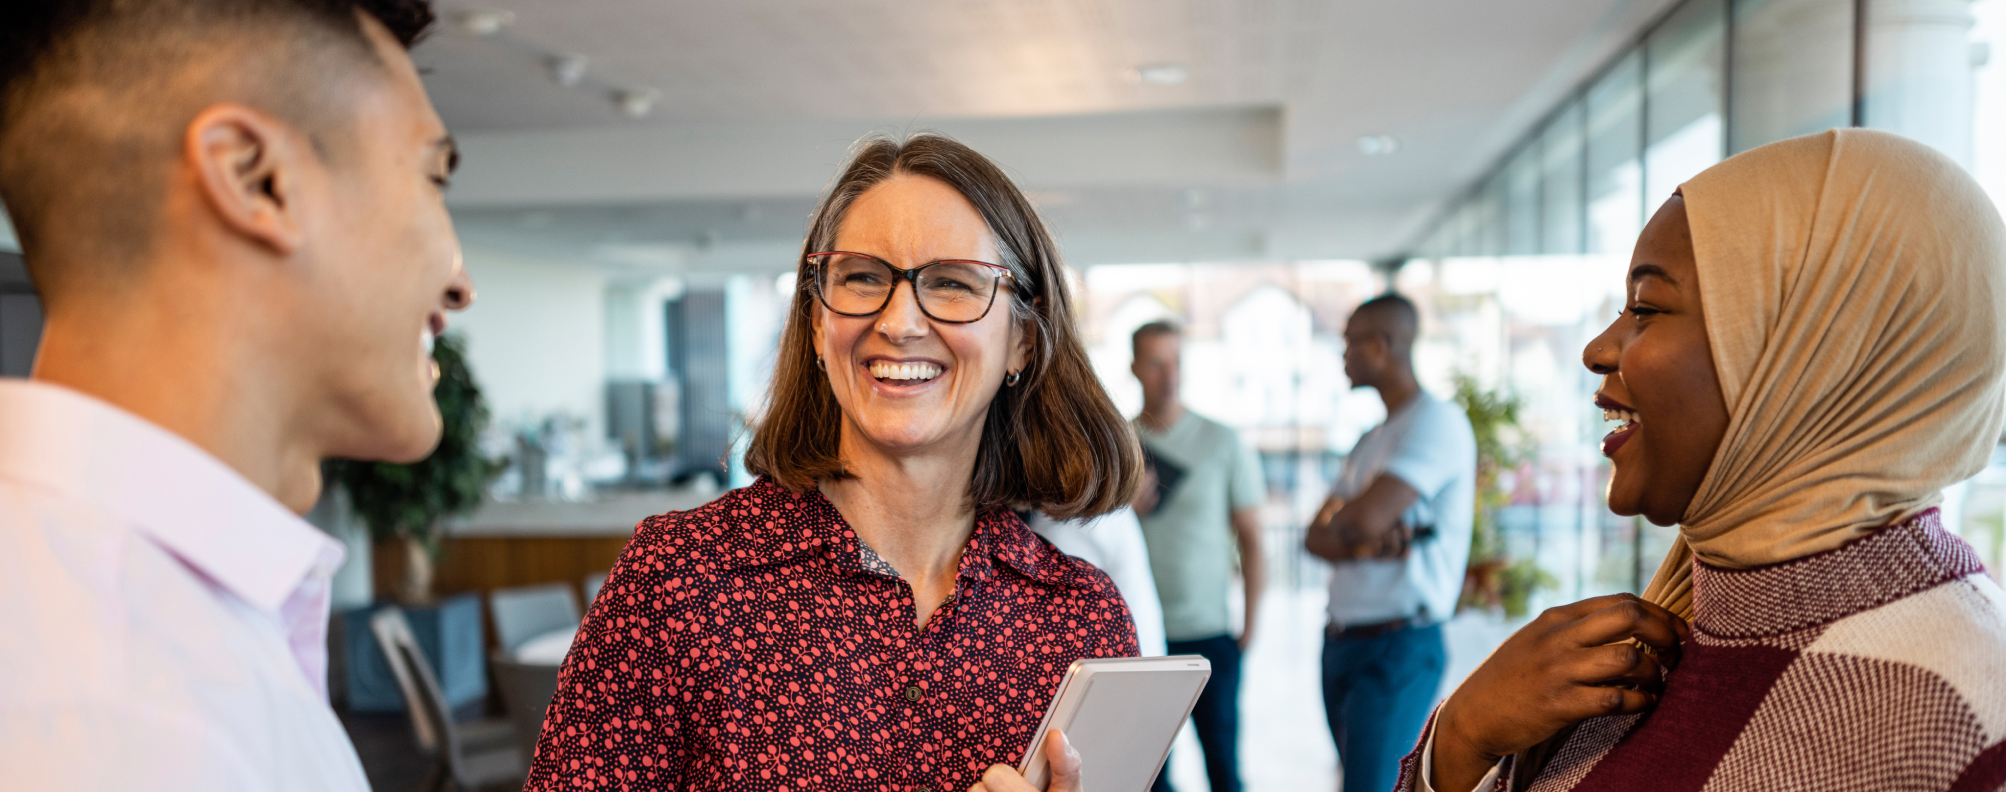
1013	378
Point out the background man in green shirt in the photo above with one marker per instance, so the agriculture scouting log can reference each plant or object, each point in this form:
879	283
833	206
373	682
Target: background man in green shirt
1202	498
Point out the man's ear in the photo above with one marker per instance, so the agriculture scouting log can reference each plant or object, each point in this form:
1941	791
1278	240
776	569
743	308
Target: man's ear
1386	356
247	167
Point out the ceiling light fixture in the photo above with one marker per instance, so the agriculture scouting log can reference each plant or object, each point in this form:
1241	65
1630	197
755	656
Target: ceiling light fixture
484	23
636	102
1159	74
1378	145
567	69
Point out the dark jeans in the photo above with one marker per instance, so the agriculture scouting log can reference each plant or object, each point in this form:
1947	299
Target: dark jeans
1377	693
1217	714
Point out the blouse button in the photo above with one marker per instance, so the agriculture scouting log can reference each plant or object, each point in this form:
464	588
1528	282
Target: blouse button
912	694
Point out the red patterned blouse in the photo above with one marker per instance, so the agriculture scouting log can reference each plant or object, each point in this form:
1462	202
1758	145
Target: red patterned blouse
755	644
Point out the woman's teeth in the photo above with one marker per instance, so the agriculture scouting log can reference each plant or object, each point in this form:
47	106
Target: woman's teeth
905	371
1628	417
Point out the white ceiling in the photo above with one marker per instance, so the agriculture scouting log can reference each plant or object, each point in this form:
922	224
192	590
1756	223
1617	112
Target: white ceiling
1254	156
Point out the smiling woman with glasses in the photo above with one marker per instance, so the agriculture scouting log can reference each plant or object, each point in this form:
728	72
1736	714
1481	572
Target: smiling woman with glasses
870	614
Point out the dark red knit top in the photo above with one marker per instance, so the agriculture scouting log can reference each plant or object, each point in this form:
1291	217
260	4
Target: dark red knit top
1875	666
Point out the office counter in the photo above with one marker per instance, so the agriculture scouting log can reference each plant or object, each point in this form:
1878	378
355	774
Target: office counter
530	542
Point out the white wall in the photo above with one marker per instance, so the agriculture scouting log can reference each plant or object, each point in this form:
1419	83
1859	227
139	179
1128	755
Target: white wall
536	337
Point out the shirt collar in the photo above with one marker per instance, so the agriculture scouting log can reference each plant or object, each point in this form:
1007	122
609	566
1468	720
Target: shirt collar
163	486
1002	537
999	536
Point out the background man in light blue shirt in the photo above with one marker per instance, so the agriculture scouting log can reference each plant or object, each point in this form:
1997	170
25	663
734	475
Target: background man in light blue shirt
1396	529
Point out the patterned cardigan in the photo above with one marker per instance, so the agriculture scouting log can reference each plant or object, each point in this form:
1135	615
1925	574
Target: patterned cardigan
1880	665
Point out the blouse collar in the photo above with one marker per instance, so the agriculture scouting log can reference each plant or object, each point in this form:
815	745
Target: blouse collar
794	524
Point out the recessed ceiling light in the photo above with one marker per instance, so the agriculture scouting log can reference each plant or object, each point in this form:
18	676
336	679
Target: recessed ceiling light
567	69
636	102
1378	145
1159	74
484	23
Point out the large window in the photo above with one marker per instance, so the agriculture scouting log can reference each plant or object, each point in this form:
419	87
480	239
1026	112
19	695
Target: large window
1528	264
1263	353
1522	202
1561	182
1983	518
1684	66
1793	70
1615	160
1918	81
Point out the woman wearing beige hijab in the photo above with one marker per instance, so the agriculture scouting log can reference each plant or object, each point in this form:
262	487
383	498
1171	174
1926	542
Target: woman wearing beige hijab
1811	349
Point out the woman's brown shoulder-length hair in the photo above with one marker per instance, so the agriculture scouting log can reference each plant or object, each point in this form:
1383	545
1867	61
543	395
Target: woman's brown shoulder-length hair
1053	441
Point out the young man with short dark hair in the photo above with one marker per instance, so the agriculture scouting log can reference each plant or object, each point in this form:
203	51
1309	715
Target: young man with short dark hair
232	211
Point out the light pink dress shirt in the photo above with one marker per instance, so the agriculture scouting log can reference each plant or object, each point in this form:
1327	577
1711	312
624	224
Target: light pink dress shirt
163	622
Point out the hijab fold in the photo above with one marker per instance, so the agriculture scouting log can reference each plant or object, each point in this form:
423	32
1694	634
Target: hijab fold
1853	283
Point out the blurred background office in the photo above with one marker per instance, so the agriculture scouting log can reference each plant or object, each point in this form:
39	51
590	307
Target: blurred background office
637	180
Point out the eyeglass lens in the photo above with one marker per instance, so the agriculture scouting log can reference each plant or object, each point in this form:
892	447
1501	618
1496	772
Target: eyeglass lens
950	291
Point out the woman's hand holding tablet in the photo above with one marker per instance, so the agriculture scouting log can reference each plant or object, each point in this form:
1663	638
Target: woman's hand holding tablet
1059	754
1122	712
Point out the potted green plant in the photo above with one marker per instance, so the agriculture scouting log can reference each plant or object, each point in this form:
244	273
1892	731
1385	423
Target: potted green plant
406	503
1494	581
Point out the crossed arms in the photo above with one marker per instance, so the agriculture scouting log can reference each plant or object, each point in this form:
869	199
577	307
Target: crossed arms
1367	526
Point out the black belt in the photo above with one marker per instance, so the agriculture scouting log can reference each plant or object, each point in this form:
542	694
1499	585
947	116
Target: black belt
1373	630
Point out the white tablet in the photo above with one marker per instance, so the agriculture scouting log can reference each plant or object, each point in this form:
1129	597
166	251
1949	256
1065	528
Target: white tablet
1121	715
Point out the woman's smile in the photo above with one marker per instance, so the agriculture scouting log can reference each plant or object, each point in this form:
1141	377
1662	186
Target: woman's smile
1613	410
903	376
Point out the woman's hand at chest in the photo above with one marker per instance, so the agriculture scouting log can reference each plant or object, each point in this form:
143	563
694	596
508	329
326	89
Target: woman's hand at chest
1573	663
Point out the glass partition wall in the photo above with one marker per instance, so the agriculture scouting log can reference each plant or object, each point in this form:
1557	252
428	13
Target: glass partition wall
1528	265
